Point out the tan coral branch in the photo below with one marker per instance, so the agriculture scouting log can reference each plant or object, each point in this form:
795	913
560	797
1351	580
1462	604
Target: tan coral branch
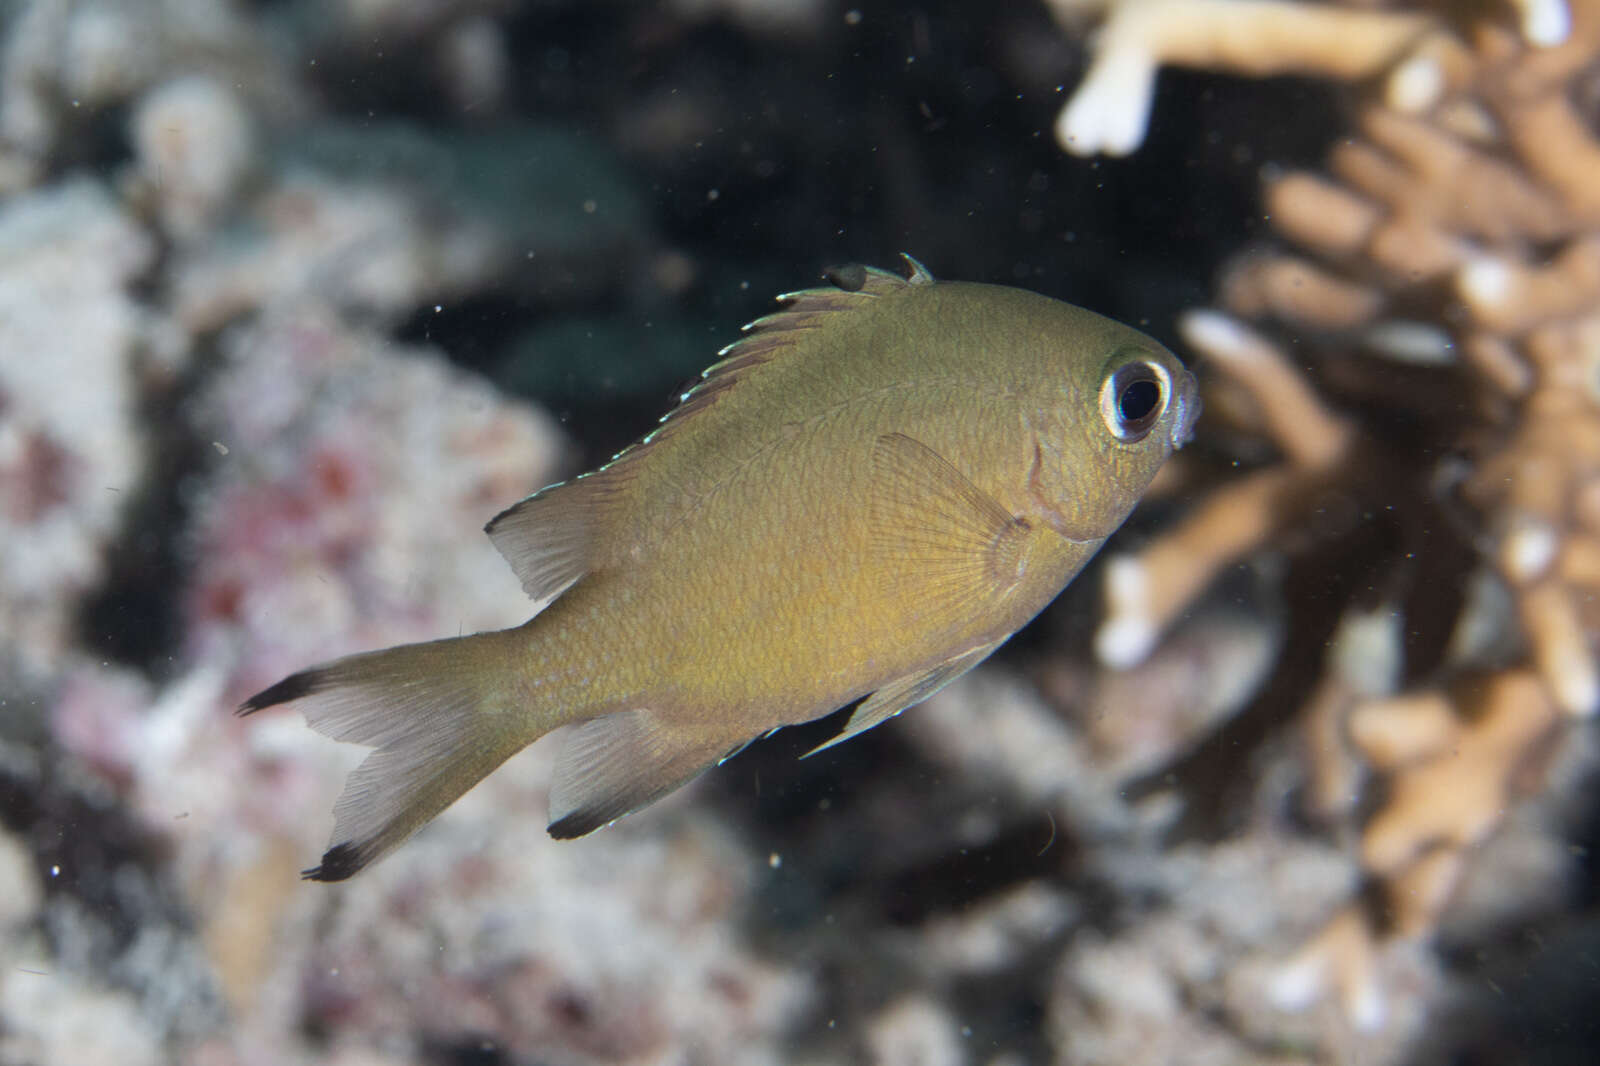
1560	646
1557	146
1418	895
1146	592
1333	775
1311	435
1458	787
1579	563
1498	362
1298	291
1404	729
1321	214
1412	249
1418	168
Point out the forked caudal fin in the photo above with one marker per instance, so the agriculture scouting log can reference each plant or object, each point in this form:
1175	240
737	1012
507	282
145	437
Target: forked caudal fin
440	718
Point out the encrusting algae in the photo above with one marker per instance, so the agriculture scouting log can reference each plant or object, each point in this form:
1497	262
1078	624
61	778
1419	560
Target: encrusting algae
865	497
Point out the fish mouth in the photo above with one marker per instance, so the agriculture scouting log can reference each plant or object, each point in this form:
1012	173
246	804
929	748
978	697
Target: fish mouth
1187	398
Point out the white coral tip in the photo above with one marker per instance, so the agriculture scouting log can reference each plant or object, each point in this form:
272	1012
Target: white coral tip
1578	688
1416	85
1111	108
1364	1004
1124	642
1218	335
1299	984
1485	281
1527	551
1127	634
1127	583
1545	22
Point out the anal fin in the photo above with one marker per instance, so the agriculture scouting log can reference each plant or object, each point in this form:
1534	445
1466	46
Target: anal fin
905	692
622	761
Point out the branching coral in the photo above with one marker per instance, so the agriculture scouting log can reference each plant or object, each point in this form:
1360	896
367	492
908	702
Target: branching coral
1111	108
1423	353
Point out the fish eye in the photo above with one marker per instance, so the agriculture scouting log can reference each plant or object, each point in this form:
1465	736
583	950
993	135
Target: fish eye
1132	399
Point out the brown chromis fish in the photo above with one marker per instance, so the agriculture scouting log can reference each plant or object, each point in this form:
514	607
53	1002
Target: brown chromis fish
868	494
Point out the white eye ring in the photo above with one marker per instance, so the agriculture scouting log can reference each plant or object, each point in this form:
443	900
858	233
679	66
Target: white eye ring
1133	398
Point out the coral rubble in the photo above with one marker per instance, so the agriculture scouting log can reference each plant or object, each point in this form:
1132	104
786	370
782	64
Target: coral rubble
70	458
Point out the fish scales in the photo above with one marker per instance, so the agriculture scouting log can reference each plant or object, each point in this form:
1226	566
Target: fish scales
867	495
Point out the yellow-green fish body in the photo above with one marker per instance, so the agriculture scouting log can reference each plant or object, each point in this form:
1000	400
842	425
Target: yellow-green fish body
871	492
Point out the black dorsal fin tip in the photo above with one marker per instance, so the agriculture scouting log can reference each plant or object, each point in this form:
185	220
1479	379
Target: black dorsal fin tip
846	284
851	277
507	513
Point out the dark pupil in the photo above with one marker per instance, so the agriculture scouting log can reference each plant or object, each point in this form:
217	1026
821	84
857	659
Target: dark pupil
1138	399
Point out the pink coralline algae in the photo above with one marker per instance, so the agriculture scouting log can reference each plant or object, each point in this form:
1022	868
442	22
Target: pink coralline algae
71	447
351	480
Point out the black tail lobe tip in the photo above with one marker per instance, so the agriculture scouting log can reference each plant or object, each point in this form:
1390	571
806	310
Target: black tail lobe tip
290	688
339	863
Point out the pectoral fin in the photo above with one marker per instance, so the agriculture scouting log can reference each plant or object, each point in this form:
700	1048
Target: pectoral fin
905	692
620	762
940	541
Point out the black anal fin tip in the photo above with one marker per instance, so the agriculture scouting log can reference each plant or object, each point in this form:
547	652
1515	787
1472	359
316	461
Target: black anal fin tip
574	825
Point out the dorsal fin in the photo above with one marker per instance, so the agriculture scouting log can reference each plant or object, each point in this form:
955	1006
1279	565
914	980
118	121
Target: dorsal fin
554	537
548	538
767	336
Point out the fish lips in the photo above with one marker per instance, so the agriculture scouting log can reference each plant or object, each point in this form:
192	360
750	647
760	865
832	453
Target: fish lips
1187	398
